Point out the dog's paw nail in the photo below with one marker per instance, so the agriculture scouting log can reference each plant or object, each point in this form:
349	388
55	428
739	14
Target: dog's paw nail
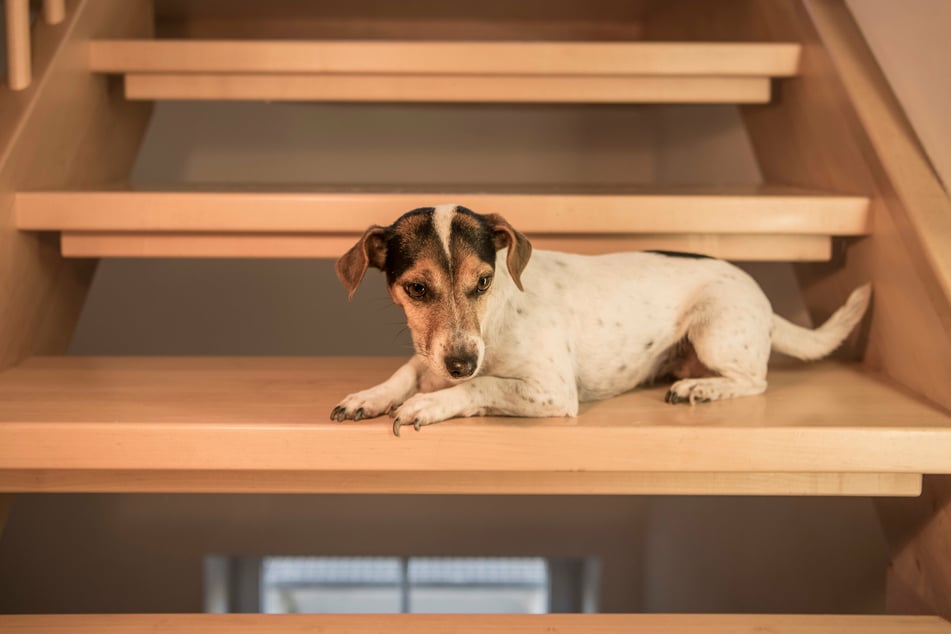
396	427
416	424
359	414
669	396
338	414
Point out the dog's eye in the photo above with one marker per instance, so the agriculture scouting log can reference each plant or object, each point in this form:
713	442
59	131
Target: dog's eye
484	283
415	290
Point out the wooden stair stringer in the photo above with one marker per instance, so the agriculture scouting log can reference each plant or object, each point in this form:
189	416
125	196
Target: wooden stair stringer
838	126
46	144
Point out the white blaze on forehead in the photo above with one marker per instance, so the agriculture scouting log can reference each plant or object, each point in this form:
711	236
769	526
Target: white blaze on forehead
442	221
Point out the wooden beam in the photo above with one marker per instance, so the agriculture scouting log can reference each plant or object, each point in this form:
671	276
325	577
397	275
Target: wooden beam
475	624
749	248
466	483
444	58
611	211
446	88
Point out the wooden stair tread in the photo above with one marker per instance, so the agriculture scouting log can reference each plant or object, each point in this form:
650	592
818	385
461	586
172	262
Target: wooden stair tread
733	210
234	416
752	223
440	71
441	58
492	623
394	88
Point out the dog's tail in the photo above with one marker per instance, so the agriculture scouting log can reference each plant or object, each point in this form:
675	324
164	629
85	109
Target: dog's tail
809	345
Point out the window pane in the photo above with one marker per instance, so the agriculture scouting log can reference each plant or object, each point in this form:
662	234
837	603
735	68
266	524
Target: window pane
528	571
376	585
478	585
332	584
331	600
478	600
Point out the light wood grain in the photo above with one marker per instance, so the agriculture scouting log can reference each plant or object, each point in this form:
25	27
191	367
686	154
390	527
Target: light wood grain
751	248
773	210
479	624
54	11
444	58
19	63
68	129
466	483
447	88
261	414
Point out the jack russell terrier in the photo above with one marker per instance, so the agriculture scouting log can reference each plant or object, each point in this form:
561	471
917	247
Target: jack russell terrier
496	336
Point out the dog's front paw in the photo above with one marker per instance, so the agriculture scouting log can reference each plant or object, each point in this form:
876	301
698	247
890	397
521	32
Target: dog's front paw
422	409
360	405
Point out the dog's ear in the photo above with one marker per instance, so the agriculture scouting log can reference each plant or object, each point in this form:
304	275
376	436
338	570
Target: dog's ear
370	250
520	249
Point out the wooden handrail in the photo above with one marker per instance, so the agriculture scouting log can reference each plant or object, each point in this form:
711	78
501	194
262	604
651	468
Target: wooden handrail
19	72
54	11
19	63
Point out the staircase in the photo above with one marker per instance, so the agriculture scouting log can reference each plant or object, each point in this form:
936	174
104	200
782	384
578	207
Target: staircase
849	197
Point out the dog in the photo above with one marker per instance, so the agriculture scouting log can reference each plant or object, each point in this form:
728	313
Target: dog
501	330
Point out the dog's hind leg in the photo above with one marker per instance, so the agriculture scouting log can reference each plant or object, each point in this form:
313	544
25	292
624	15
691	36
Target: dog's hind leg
732	340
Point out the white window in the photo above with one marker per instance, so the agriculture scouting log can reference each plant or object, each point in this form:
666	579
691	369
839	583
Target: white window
400	584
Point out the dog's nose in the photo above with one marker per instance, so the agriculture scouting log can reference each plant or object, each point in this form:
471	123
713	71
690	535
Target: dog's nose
460	367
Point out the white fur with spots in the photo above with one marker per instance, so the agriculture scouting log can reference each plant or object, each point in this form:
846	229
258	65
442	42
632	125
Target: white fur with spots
592	327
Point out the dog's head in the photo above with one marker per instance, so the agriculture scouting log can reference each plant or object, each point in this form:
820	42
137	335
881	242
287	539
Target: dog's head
440	266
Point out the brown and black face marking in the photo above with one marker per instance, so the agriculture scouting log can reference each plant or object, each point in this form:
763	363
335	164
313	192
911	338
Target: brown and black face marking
440	264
